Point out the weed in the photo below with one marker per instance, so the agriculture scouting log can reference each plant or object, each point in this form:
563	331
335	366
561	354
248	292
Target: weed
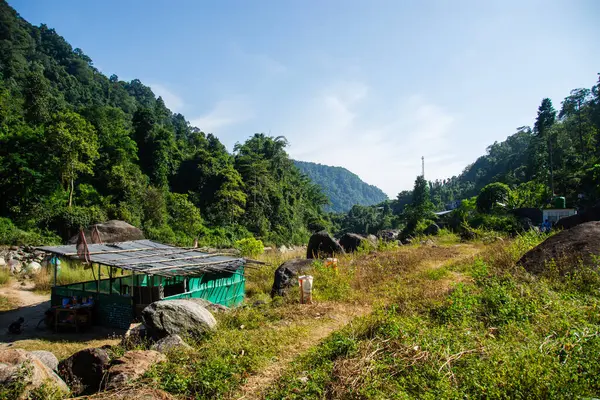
4	276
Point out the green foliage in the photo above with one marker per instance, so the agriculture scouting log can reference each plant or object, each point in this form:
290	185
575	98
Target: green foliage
343	188
250	247
491	195
11	235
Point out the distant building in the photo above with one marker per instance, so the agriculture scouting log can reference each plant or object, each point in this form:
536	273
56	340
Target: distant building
554	214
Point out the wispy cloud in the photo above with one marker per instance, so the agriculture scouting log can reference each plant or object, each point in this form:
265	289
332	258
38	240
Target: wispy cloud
342	126
224	113
172	101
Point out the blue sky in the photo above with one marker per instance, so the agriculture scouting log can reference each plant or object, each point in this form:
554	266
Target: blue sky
368	85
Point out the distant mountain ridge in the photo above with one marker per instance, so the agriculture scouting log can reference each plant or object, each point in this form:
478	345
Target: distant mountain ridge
343	188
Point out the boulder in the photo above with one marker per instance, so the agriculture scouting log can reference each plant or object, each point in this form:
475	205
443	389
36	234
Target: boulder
286	274
567	248
132	366
33	268
389	234
84	370
432	230
2	262
180	317
210	306
20	367
112	231
48	358
351	242
591	214
282	249
169	343
321	244
373	239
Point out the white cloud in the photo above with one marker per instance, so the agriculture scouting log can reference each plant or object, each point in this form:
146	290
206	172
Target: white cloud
224	113
345	126
172	101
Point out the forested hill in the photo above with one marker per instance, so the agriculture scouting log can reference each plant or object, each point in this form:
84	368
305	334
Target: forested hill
561	151
77	147
343	188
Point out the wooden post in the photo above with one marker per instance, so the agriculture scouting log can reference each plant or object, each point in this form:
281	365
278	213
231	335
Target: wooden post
55	268
151	288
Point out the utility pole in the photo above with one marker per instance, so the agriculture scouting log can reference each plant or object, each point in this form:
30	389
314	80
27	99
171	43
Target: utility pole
423	166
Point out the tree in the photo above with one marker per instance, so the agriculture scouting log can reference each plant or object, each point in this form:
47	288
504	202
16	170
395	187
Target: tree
421	207
546	117
73	146
491	195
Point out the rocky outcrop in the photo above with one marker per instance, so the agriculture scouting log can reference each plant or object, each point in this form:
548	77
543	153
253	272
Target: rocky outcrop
351	242
286	274
48	358
177	317
432	230
591	214
112	231
566	249
20	367
84	370
132	366
170	343
321	244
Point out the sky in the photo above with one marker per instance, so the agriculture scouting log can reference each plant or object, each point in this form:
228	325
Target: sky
370	85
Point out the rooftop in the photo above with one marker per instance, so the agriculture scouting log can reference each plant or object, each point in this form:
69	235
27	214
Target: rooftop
152	258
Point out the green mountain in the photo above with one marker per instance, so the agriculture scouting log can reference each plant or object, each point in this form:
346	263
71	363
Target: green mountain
343	188
78	147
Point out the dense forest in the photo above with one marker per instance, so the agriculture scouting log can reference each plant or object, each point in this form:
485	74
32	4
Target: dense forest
77	147
343	188
558	156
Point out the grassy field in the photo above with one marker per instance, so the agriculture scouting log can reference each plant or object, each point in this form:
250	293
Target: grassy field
437	320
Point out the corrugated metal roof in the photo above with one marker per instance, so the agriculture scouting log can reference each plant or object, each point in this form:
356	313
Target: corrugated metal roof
152	258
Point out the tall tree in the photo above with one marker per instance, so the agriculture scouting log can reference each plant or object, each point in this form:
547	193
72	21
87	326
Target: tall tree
546	117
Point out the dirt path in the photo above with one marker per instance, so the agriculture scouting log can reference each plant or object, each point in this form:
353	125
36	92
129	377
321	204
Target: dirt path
31	306
256	384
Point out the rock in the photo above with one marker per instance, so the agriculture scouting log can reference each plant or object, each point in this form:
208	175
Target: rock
591	214
132	366
84	370
169	343
321	244
373	239
15	266
389	234
432	230
282	249
48	358
112	231
2	262
180	317
33	268
351	242
18	366
286	274
566	248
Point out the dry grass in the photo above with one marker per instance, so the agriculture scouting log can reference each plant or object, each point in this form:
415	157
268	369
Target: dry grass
65	348
68	274
7	304
4	276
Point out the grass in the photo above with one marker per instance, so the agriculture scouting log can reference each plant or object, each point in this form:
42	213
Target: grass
496	333
4	276
68	273
7	304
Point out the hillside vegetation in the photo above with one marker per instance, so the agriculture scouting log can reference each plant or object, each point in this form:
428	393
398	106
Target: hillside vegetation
343	188
78	147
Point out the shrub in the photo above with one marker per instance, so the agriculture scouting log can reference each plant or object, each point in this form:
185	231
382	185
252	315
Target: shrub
11	235
491	195
4	276
250	247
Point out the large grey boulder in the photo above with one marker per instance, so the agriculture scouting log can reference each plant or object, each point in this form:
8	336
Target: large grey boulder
84	370
351	242
321	244
286	274
169	343
20	367
112	231
177	317
48	358
132	366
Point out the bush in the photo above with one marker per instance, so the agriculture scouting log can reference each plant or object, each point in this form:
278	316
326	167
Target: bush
491	195
250	247
11	235
498	223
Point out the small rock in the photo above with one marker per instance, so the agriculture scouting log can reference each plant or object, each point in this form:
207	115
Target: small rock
15	266
282	249
84	370
169	343
2	262
48	358
14	361
132	366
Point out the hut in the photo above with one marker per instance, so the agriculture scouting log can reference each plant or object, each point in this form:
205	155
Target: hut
142	271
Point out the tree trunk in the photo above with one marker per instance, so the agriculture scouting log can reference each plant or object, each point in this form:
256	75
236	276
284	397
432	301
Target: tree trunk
71	189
